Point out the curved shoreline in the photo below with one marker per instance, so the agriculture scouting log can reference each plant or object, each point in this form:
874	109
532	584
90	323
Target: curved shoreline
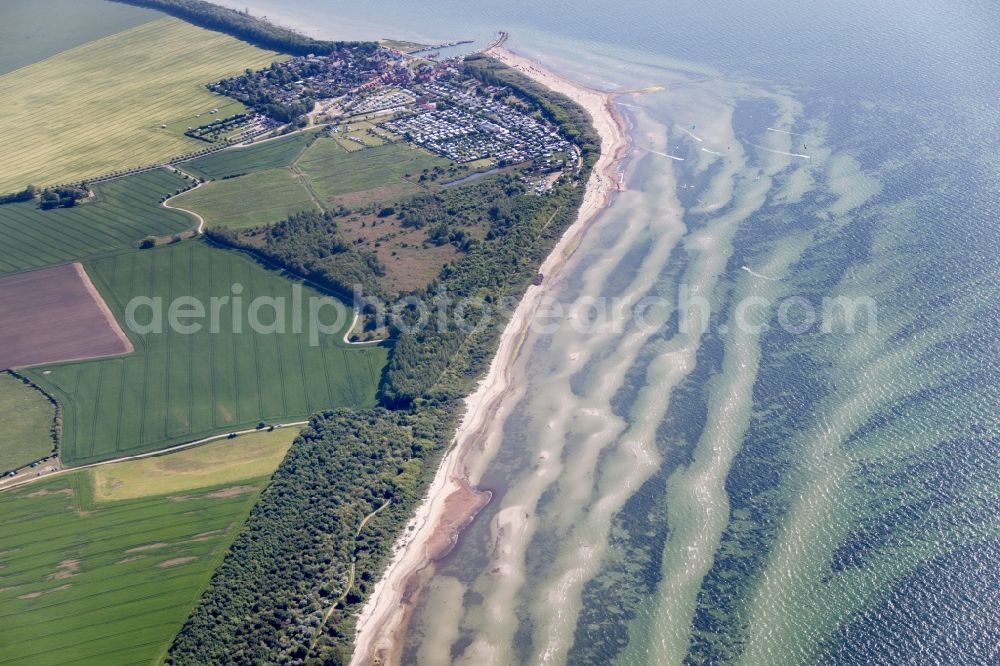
451	503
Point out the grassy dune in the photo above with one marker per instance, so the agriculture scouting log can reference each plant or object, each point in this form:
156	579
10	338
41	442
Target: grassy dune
86	581
98	107
178	387
120	215
26	416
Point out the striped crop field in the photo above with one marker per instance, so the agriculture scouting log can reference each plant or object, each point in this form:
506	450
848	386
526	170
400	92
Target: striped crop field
26	416
122	212
269	154
86	579
99	107
179	387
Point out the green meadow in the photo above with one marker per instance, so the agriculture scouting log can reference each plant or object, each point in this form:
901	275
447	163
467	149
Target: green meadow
26	416
268	154
122	212
261	197
110	581
265	182
179	387
219	462
375	174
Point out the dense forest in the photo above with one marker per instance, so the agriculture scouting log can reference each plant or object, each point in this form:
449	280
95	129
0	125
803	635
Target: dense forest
302	553
242	26
302	567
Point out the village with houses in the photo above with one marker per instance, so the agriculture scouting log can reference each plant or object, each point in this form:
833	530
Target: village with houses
401	96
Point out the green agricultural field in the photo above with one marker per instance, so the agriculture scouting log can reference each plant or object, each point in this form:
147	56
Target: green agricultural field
258	198
122	212
97	107
26	416
177	387
88	581
368	175
268	154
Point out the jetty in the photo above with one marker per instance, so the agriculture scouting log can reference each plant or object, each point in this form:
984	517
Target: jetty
498	41
437	47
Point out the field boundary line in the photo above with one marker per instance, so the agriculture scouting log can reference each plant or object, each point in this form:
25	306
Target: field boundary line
150	454
295	277
103	306
293	168
166	202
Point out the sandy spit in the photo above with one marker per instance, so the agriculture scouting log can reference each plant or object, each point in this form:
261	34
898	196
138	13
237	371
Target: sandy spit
451	502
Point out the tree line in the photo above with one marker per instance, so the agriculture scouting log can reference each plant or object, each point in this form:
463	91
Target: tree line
27	194
243	26
309	245
60	196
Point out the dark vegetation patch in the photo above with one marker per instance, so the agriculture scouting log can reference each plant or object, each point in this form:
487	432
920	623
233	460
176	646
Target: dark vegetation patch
243	26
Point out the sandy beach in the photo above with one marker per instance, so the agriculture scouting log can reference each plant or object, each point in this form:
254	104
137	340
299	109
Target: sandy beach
451	502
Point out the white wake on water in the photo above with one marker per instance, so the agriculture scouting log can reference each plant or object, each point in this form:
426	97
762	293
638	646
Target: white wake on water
780	152
772	129
691	134
758	275
656	152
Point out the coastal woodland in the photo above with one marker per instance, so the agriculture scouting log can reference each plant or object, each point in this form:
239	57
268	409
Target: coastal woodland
301	568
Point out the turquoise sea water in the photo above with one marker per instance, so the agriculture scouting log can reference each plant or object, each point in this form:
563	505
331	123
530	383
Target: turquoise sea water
749	496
